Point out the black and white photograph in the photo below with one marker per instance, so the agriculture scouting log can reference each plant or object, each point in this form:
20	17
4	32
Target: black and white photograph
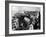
25	18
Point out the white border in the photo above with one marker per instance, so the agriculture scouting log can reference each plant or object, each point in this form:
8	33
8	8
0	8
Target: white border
27	31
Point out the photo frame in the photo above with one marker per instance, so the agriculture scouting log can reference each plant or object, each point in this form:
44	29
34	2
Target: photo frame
30	16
